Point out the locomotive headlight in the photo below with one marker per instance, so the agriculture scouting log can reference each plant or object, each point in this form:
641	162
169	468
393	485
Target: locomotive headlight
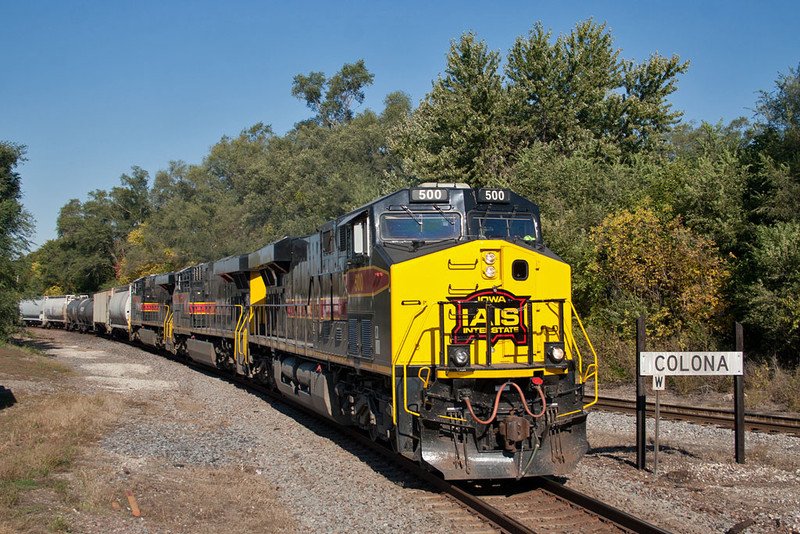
490	258
490	271
458	355
555	352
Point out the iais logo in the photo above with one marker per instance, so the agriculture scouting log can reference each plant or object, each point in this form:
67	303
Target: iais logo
503	310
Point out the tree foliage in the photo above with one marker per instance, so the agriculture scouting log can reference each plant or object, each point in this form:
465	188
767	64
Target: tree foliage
15	229
691	225
333	99
566	95
650	263
456	134
258	187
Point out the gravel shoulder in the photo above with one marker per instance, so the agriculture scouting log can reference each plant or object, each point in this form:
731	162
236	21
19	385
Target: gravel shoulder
203	455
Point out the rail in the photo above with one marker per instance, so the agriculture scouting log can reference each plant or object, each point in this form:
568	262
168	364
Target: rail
753	421
579	510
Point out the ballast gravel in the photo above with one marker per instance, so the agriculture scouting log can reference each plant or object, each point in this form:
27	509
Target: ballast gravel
183	417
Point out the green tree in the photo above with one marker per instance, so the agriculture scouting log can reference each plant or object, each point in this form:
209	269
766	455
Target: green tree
86	260
779	122
92	242
772	300
457	134
200	217
15	231
333	99
704	181
559	90
574	94
766	285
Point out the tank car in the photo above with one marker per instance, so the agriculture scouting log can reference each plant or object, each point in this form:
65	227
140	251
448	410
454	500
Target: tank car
85	315
54	310
30	311
111	311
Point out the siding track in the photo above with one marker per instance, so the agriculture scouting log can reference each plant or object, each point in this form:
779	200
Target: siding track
756	422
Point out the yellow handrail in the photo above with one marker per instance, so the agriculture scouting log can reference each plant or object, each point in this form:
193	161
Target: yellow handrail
240	335
167	324
591	369
425	309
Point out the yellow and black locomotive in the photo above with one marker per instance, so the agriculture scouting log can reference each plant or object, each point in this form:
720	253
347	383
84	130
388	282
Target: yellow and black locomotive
434	318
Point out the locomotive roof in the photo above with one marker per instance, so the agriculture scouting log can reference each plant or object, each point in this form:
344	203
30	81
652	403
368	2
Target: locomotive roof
232	264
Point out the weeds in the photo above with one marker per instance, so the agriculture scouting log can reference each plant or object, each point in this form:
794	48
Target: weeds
768	382
43	434
27	362
58	524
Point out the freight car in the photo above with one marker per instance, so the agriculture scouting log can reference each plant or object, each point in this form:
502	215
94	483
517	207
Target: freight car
434	318
30	311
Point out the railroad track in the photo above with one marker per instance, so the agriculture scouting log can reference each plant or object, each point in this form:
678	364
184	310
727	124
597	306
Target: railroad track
536	505
714	416
544	505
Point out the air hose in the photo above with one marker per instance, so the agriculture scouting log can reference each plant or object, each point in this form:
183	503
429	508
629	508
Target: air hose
497	403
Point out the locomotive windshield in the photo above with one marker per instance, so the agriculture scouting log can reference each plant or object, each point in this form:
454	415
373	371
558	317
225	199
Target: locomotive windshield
502	225
412	226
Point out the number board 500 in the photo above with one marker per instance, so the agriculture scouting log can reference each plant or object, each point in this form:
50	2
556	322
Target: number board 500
420	194
486	195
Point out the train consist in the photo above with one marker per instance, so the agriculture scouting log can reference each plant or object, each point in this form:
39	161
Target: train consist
434	318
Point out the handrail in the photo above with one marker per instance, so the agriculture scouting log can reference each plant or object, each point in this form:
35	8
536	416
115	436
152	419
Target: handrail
526	305
591	369
425	309
240	335
167	323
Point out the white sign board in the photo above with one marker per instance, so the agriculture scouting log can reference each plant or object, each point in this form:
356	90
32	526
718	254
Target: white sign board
691	363
658	382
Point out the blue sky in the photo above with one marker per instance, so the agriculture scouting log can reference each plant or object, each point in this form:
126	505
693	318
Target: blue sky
95	87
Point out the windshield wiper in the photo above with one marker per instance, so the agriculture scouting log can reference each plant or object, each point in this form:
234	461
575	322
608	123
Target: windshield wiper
444	215
418	221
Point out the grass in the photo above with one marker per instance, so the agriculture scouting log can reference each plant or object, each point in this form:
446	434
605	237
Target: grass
41	435
24	361
193	498
53	477
40	438
768	382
